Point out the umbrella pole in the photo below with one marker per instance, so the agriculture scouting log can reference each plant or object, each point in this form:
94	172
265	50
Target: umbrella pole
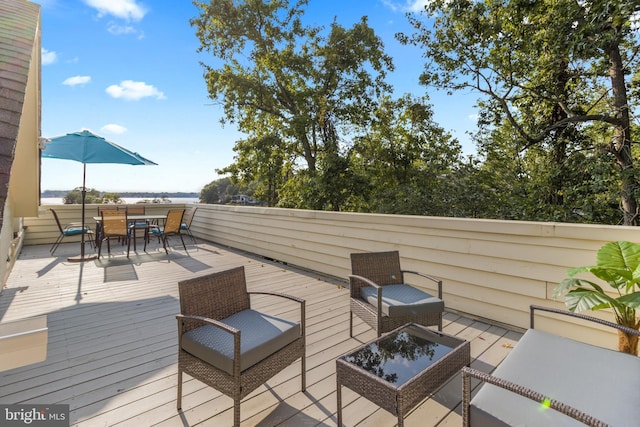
84	195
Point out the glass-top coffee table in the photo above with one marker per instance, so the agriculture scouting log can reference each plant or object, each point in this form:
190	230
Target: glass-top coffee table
400	369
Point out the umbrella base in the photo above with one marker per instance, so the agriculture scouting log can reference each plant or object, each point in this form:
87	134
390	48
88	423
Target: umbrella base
82	259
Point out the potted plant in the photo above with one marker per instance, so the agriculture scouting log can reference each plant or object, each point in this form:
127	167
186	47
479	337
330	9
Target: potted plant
618	264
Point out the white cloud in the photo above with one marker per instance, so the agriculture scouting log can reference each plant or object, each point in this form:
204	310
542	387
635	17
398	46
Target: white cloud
77	80
116	29
391	5
48	57
129	10
416	5
113	128
133	91
407	6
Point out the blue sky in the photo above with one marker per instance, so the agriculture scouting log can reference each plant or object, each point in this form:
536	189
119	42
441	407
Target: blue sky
128	70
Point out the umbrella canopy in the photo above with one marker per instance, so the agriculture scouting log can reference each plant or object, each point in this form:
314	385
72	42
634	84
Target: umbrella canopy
87	147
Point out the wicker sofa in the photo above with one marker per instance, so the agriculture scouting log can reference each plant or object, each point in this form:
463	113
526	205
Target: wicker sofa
548	380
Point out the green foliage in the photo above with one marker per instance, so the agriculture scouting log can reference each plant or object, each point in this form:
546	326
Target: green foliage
222	190
92	196
260	162
552	76
302	92
617	264
110	198
74	197
299	82
324	133
210	192
404	159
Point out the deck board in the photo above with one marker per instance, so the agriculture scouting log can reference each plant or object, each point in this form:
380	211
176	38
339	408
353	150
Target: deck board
112	342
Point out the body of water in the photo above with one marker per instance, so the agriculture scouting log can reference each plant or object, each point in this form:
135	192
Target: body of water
126	200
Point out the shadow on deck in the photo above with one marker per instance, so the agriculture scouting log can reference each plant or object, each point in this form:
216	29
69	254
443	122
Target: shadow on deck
113	336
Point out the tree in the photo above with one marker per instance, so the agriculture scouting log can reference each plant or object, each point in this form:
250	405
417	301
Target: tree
111	198
222	190
554	69
406	158
524	181
92	196
260	161
210	193
281	77
74	197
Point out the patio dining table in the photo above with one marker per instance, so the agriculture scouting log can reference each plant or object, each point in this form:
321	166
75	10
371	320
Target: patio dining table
131	219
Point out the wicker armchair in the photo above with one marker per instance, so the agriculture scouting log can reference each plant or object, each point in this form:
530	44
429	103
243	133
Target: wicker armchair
227	345
383	300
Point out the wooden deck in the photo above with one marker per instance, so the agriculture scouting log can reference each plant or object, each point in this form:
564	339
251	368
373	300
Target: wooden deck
112	343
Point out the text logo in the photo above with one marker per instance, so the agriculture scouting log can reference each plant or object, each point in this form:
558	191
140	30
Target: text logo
34	415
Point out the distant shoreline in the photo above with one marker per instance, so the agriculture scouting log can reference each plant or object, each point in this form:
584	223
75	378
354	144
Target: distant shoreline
126	195
126	200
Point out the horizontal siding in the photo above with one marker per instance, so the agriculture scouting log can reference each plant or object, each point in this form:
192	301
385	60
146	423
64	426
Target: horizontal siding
491	269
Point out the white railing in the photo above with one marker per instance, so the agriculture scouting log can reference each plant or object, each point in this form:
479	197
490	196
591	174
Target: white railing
491	269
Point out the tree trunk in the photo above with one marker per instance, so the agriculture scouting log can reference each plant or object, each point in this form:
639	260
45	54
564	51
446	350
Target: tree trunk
620	145
560	137
628	343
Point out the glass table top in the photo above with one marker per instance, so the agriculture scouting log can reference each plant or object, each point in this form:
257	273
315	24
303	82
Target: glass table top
400	356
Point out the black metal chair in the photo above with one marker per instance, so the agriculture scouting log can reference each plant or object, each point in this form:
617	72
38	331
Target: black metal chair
114	224
71	229
138	225
171	227
186	223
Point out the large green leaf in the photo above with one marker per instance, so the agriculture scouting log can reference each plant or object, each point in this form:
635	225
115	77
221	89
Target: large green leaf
582	299
630	300
618	264
615	277
619	255
636	275
571	283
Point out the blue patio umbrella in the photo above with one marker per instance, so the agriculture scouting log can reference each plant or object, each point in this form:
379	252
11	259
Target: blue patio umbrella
87	147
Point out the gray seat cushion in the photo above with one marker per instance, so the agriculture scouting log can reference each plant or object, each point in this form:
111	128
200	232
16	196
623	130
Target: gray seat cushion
600	382
403	300
261	335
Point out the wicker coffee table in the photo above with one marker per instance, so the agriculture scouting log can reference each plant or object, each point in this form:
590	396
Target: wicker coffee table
401	368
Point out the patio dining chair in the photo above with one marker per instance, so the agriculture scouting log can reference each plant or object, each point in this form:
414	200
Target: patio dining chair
114	224
138	225
186	223
229	346
380	296
171	227
102	208
71	229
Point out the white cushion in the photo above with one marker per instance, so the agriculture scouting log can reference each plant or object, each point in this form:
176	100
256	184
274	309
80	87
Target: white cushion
600	382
